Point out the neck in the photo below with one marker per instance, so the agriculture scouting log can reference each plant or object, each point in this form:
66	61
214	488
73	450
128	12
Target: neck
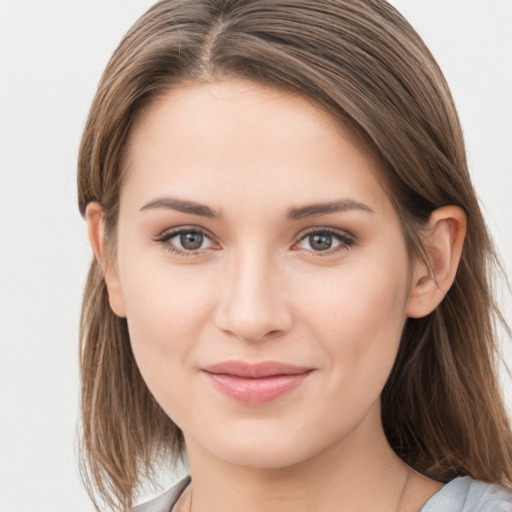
360	472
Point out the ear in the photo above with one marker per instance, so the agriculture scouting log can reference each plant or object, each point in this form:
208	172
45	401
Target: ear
443	240
96	229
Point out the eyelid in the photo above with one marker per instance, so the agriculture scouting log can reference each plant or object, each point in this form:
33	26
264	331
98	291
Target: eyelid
165	236
345	238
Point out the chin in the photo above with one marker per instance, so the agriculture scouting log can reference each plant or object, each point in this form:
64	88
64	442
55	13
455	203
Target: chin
263	457
262	449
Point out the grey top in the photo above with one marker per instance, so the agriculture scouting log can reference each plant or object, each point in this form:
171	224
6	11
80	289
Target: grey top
466	495
460	495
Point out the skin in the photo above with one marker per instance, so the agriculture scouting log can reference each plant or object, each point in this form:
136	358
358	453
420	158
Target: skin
257	290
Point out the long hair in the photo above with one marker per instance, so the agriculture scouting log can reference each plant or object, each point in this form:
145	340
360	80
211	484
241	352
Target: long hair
365	65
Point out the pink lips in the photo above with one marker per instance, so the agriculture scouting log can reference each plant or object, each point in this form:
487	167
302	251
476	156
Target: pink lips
255	384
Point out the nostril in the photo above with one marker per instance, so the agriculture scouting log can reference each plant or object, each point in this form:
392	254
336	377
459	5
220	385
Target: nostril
253	327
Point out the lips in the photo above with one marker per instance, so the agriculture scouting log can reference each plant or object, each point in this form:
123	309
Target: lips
255	384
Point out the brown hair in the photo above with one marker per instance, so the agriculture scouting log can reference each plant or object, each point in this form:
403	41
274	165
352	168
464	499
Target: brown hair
441	407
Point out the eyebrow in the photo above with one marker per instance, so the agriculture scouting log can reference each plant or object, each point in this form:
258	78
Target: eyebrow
311	210
182	205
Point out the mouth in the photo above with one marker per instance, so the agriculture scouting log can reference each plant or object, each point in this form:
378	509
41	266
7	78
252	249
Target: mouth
255	384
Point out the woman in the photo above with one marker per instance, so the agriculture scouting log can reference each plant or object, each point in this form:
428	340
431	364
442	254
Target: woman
292	273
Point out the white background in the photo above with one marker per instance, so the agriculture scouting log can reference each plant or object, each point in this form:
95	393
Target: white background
51	56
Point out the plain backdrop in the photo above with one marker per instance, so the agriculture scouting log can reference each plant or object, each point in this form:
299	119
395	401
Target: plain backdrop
51	56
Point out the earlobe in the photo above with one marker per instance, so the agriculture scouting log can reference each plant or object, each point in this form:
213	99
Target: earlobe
96	231
442	240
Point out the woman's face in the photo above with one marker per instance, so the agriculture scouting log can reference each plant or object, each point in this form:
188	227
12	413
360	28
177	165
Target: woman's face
262	270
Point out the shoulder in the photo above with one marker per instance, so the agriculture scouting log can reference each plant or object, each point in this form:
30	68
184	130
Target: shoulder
166	501
466	495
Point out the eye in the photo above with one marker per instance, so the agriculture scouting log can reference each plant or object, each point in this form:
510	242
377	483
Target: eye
324	241
186	241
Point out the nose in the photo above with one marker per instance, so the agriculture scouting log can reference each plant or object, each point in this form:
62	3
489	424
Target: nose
252	303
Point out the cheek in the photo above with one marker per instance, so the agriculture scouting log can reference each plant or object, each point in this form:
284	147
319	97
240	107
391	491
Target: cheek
371	298
358	325
359	320
166	311
166	317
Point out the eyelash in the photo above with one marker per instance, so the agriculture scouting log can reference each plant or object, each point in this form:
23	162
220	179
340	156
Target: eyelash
166	237
345	240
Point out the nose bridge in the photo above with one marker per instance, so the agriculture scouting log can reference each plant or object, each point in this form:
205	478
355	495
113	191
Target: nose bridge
252	302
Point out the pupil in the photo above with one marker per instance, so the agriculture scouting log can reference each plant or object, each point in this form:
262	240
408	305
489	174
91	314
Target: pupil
320	242
191	240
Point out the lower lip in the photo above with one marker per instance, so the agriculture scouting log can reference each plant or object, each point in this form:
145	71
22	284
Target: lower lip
256	391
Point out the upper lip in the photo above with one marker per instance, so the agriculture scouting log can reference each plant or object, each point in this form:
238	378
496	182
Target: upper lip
255	370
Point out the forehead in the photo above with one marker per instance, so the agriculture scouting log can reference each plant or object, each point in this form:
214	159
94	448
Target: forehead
229	141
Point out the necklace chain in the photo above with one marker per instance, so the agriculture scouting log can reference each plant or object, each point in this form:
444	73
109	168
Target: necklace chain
403	491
